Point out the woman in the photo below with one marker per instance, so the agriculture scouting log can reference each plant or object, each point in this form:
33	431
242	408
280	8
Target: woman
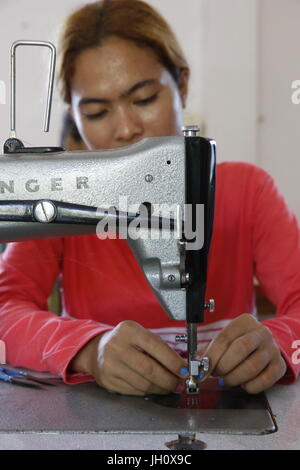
125	78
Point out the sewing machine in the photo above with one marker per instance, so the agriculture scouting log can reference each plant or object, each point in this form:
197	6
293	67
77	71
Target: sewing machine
157	193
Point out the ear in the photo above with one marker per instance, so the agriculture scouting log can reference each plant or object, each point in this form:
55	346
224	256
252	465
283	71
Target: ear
184	85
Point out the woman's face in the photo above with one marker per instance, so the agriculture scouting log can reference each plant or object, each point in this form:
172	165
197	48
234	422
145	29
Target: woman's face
122	94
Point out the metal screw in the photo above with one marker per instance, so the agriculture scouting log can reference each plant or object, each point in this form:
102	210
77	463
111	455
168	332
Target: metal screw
44	212
171	278
185	279
149	178
191	131
210	305
204	363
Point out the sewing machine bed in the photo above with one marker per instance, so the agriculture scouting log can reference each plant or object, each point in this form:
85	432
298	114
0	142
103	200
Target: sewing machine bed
86	408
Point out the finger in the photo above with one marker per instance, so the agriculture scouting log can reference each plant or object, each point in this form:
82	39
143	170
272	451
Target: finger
218	346
132	383
121	387
268	377
238	351
249	369
155	347
142	383
145	370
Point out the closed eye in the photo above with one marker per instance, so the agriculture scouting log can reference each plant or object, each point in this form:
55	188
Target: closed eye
144	102
149	100
96	116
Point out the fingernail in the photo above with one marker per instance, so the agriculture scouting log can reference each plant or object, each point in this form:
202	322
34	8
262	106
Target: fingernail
183	371
221	382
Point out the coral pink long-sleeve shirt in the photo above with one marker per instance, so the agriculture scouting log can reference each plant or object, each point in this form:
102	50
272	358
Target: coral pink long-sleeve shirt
255	234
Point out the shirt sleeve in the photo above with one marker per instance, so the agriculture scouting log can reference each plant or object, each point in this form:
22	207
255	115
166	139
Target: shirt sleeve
36	338
276	247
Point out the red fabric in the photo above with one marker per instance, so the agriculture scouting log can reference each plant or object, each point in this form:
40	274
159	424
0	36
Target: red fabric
254	234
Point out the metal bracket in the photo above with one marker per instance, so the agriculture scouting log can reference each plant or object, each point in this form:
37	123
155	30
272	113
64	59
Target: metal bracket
14	145
13	82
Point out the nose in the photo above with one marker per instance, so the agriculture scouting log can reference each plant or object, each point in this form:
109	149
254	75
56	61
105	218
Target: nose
128	128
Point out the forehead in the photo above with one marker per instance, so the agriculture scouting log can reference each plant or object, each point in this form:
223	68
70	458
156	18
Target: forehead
114	67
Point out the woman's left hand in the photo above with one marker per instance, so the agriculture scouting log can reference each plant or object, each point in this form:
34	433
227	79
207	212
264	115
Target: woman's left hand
245	354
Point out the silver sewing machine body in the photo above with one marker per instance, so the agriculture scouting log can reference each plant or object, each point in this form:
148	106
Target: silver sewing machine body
151	172
167	182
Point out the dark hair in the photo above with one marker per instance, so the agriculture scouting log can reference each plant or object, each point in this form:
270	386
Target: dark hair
133	20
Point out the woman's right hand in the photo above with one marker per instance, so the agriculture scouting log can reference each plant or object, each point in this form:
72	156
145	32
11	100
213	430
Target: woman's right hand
131	360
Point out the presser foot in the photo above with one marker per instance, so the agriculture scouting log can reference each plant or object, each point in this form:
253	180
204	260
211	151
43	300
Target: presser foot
192	385
197	370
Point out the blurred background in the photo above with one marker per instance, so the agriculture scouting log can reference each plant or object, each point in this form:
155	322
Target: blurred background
244	56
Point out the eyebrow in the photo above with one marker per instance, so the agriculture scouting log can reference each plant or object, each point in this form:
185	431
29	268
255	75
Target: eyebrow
137	86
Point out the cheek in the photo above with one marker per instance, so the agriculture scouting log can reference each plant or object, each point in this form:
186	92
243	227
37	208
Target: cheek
95	136
166	118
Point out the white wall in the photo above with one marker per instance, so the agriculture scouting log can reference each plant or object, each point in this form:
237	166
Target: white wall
230	67
251	58
278	117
